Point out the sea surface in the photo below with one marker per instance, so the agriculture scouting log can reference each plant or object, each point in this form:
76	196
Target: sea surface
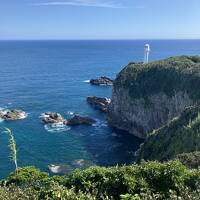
40	76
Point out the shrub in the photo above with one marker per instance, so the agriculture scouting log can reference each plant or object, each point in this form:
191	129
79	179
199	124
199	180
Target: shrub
147	177
180	135
26	175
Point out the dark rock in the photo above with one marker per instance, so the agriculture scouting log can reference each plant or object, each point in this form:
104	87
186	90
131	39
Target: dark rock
99	103
11	115
51	118
78	120
103	80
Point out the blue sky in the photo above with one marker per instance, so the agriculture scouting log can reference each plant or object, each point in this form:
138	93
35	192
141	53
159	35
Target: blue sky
99	19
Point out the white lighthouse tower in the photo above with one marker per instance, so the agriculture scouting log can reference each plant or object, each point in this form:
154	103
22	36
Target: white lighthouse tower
146	53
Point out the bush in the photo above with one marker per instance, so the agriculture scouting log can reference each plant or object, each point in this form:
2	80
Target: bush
147	180
147	177
26	175
180	135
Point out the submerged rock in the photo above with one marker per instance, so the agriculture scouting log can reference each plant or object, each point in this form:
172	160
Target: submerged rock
59	168
103	80
52	118
79	120
11	115
99	103
81	163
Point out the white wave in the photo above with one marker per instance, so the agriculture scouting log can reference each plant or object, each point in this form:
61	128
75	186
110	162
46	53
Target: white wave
100	123
86	81
43	115
70	113
56	127
4	109
1	108
23	115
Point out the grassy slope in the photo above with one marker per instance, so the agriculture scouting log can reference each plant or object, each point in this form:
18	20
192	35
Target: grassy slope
181	135
169	75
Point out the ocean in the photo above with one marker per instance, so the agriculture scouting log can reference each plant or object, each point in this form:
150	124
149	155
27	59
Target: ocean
41	76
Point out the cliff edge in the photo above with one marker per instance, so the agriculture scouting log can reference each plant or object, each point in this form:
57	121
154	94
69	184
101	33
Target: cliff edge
147	96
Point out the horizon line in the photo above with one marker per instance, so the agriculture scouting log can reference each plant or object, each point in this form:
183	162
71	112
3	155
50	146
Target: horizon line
98	39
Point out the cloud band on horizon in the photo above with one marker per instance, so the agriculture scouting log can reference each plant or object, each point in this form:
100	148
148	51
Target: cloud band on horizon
85	3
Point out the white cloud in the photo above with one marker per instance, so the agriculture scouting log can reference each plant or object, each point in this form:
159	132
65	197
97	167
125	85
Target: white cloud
86	3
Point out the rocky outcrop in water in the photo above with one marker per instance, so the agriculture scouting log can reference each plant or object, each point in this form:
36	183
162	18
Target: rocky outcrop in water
56	118
99	103
82	163
103	80
11	115
52	118
80	120
146	96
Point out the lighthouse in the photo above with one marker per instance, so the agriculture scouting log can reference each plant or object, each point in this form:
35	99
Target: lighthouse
146	53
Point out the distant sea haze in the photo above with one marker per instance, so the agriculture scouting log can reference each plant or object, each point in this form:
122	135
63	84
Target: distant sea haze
41	76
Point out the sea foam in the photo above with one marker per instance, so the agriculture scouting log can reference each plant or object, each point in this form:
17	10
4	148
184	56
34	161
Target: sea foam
100	123
56	127
86	81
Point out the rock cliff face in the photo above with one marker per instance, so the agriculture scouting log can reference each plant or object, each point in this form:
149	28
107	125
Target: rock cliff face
146	96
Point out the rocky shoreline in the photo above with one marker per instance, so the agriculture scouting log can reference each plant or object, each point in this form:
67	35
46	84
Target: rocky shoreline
56	118
12	115
99	103
102	81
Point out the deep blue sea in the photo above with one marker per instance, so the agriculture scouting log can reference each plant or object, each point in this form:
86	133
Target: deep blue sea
40	76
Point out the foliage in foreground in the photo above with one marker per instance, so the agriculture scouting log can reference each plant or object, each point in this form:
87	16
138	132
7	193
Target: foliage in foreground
148	180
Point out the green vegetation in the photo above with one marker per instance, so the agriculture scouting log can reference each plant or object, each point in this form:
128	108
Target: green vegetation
168	76
178	141
191	160
13	147
181	135
148	180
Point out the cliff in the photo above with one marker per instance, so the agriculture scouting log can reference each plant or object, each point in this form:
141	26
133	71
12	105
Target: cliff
180	135
147	96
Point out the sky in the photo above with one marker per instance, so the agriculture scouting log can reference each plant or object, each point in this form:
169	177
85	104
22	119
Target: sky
99	19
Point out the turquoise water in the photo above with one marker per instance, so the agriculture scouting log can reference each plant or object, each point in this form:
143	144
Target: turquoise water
40	76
